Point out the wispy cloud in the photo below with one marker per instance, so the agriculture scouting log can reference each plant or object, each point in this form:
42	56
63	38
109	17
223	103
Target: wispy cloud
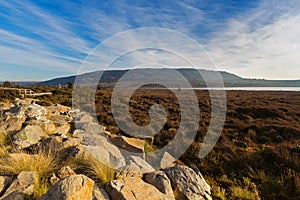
258	38
38	39
262	43
56	30
41	39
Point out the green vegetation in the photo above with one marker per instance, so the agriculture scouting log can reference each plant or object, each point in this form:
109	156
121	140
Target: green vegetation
219	193
9	95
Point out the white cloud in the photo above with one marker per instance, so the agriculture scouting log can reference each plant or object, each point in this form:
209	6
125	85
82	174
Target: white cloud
262	44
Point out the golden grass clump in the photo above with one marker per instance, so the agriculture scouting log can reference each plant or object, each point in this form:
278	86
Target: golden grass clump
5	139
220	193
243	193
41	163
4	151
42	186
94	169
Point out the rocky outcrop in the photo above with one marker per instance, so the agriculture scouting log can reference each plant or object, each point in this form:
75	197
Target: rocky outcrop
35	129
71	188
188	184
29	122
28	136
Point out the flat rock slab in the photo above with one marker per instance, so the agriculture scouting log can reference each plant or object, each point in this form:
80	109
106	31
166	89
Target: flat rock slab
129	144
134	188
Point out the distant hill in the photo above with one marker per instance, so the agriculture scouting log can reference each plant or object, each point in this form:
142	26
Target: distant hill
229	79
22	83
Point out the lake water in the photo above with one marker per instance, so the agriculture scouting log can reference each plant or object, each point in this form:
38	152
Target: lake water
287	89
255	88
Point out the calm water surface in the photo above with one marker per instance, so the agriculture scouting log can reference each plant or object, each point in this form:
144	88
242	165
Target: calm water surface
255	88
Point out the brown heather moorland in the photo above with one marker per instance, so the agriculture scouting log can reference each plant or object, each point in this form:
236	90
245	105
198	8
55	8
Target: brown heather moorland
258	152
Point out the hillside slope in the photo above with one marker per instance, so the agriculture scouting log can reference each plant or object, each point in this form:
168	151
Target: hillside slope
194	77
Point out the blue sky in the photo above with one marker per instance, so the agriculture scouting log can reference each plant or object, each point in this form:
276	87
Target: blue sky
44	39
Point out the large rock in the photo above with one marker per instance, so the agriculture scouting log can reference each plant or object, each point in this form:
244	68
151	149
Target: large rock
6	106
188	184
138	165
63	129
28	136
33	111
90	128
90	139
28	110
167	160
100	194
75	187
86	118
160	180
57	109
101	149
129	144
5	181
204	184
48	127
60	119
134	188
64	146
135	167
22	187
11	124
106	154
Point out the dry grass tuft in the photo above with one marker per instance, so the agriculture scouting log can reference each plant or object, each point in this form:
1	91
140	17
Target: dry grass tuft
41	163
4	151
5	139
94	169
242	193
42	186
219	193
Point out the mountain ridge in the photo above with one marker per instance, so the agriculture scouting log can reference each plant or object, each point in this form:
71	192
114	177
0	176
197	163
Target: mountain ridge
229	79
